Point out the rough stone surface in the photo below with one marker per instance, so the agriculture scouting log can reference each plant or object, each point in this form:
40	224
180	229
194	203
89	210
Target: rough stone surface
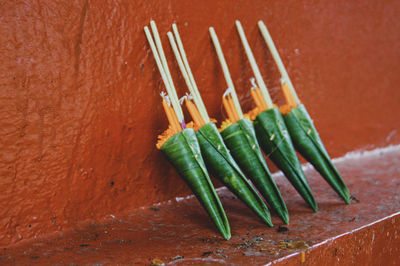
366	232
79	104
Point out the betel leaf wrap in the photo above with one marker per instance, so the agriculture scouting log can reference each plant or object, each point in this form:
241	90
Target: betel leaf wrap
274	138
183	151
308	143
223	167
241	140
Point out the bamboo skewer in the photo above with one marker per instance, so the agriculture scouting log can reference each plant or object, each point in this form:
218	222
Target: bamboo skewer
225	70
197	100
171	92
254	67
302	130
278	60
174	100
196	94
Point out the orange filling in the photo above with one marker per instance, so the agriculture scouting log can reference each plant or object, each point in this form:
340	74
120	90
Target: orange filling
230	109
169	132
226	123
251	115
173	128
172	119
194	112
261	106
290	101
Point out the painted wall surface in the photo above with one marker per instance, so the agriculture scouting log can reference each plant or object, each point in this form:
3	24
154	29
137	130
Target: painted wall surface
79	94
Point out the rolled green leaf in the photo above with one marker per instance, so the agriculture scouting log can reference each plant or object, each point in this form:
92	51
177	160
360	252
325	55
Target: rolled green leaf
241	140
308	143
222	166
183	151
274	138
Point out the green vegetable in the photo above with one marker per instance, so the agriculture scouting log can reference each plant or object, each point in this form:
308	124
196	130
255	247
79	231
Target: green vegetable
183	151
241	140
274	138
307	141
222	166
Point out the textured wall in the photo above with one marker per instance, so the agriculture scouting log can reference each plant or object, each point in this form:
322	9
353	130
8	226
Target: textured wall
79	104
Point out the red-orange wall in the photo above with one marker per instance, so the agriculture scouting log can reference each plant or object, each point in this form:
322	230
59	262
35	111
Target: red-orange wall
79	98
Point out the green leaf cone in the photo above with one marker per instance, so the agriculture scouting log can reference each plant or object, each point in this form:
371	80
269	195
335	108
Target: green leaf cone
183	151
307	141
274	138
223	167
241	140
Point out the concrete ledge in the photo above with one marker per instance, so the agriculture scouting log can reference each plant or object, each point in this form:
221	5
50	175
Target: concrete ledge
179	232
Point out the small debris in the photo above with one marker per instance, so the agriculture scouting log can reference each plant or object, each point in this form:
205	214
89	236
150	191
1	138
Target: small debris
157	262
293	245
251	253
258	239
217	251
177	257
84	245
282	229
112	183
154	209
141	69
303	257
354	198
351	219
35	257
204	240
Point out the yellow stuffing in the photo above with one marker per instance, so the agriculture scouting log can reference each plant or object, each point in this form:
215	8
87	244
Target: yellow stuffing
169	132
251	115
226	123
285	109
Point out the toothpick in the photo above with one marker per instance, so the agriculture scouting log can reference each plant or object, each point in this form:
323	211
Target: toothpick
172	92
277	58
254	67
225	70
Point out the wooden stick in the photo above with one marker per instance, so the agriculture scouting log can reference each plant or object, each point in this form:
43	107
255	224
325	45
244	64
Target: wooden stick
172	92
184	72
254	66
225	70
196	94
161	68
277	58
